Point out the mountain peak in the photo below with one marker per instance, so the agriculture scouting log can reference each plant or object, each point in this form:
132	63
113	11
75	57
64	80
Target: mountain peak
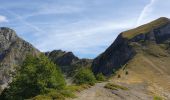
7	34
129	43
144	29
13	51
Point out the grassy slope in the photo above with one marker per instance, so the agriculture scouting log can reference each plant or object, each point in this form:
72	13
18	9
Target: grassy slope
145	28
151	68
148	78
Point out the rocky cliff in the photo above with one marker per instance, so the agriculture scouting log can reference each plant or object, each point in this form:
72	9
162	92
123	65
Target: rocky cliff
67	61
140	58
130	43
13	51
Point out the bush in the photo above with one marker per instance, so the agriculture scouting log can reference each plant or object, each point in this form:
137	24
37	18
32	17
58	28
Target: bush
85	76
157	98
114	86
55	95
100	77
42	97
78	88
36	76
126	73
118	76
113	71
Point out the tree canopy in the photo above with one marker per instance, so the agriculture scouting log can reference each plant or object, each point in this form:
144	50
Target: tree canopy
35	76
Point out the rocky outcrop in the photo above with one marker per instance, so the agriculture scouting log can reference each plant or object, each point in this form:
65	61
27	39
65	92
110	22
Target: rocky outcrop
13	51
114	57
127	44
62	58
67	61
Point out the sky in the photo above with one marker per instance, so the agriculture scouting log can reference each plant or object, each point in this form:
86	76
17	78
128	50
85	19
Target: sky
85	27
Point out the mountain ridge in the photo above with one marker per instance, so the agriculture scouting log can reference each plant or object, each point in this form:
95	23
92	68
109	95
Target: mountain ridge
67	61
121	50
13	51
141	61
138	57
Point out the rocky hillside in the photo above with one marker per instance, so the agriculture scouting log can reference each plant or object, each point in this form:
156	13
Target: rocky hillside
67	61
13	51
141	56
130	42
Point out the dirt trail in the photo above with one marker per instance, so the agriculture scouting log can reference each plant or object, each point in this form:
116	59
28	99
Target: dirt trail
136	91
98	92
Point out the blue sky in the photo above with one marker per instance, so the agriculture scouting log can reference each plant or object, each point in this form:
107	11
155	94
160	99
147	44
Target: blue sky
85	27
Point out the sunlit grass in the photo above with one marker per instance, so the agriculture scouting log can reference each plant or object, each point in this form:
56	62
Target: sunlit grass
145	28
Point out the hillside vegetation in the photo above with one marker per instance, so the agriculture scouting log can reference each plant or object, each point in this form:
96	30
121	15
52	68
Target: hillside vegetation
145	28
37	75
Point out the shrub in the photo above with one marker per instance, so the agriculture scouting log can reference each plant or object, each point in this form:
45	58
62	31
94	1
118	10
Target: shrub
113	71
42	97
100	77
78	88
85	76
118	76
126	73
157	98
36	76
114	86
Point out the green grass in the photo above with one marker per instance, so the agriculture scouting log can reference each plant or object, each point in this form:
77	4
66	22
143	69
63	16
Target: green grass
145	28
100	77
115	86
85	76
68	92
78	88
157	98
41	97
55	95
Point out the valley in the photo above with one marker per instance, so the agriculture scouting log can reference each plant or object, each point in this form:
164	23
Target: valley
136	66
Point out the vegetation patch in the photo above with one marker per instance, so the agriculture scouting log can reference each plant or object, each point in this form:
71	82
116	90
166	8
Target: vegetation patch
144	29
78	88
55	95
115	86
100	77
85	76
36	76
157	98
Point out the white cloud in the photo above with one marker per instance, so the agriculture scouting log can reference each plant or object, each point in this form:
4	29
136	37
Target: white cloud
54	9
3	19
153	10
85	37
146	10
91	31
25	22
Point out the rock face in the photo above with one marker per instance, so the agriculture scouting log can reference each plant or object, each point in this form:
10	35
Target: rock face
13	51
62	58
67	61
130	43
114	57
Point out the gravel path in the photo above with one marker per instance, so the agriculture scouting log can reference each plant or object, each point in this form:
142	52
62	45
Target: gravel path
98	92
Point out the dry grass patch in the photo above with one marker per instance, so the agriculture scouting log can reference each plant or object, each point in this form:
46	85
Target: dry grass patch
145	28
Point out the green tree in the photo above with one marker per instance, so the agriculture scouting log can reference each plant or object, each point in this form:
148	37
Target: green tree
85	76
36	76
100	77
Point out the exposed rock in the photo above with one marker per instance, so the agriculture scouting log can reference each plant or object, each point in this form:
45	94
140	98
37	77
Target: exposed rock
114	57
141	58
67	61
13	51
62	58
127	44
